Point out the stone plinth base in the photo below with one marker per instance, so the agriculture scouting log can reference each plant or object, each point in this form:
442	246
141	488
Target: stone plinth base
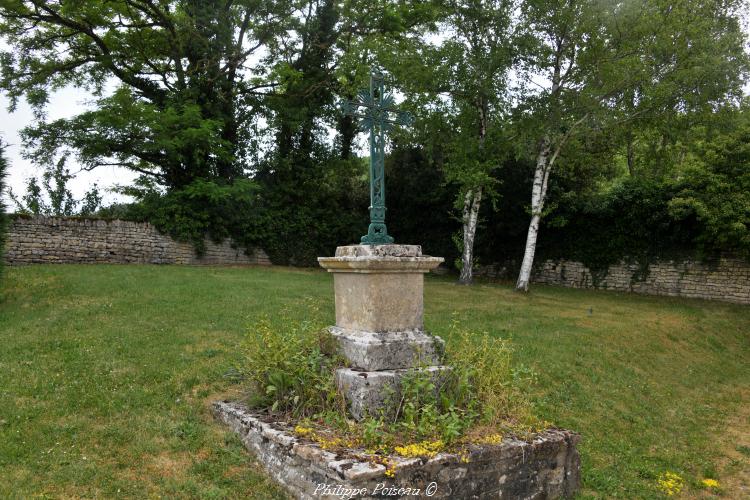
388	350
375	393
379	288
548	467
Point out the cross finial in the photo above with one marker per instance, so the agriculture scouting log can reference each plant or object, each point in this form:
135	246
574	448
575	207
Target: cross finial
374	107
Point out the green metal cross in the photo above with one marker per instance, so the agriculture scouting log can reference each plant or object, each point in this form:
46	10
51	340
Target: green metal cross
374	107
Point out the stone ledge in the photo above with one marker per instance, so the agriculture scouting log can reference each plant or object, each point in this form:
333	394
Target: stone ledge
548	467
388	350
379	251
379	265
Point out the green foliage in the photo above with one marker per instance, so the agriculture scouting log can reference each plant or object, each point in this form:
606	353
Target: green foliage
420	200
289	365
32	201
294	220
61	200
484	388
199	210
630	220
694	203
306	213
697	204
433	407
174	144
714	192
91	202
184	97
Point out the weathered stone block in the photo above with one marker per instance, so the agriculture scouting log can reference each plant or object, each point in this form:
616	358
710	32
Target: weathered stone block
379	288
376	392
388	350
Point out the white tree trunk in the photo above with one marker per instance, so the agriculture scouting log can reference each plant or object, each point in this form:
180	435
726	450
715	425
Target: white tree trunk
472	201
538	194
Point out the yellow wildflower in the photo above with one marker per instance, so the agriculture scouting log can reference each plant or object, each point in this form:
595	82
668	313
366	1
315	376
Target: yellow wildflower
670	483
424	449
302	431
710	483
390	467
491	439
327	443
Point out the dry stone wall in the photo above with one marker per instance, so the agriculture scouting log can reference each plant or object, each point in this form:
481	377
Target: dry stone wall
48	240
727	279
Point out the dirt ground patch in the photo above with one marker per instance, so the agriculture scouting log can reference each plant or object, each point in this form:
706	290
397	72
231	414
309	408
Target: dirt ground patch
735	466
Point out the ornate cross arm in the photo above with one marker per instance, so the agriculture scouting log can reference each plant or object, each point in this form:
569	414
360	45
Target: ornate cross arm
374	109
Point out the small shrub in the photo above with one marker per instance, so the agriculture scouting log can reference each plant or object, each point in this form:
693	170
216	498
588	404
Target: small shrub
484	377
290	366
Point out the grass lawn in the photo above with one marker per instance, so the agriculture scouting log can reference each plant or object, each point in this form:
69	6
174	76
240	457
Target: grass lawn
106	374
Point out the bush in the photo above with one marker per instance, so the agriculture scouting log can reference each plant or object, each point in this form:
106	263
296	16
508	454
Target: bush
294	221
629	220
201	209
289	368
714	191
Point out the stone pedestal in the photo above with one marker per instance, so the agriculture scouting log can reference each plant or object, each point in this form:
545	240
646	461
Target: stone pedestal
379	321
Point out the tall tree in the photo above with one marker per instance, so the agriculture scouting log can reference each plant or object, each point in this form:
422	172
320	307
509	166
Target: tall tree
182	72
601	63
462	75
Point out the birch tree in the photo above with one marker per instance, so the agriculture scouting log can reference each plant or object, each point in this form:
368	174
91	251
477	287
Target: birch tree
461	74
597	64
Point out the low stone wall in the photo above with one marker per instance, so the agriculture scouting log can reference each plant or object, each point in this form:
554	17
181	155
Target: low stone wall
728	279
547	467
48	240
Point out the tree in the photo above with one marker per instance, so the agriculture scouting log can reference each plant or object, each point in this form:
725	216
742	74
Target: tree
714	188
182	70
32	202
464	79
56	198
329	54
604	63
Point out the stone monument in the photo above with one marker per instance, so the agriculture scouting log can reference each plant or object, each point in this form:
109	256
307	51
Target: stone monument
378	285
379	329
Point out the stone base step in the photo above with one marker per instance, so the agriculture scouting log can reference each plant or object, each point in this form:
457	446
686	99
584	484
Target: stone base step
373	351
548	466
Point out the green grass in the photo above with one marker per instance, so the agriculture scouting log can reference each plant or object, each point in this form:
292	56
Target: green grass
106	374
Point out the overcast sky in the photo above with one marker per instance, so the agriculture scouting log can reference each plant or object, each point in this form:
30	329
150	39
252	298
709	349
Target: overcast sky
63	104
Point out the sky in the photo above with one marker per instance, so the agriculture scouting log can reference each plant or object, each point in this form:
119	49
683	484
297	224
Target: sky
63	104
